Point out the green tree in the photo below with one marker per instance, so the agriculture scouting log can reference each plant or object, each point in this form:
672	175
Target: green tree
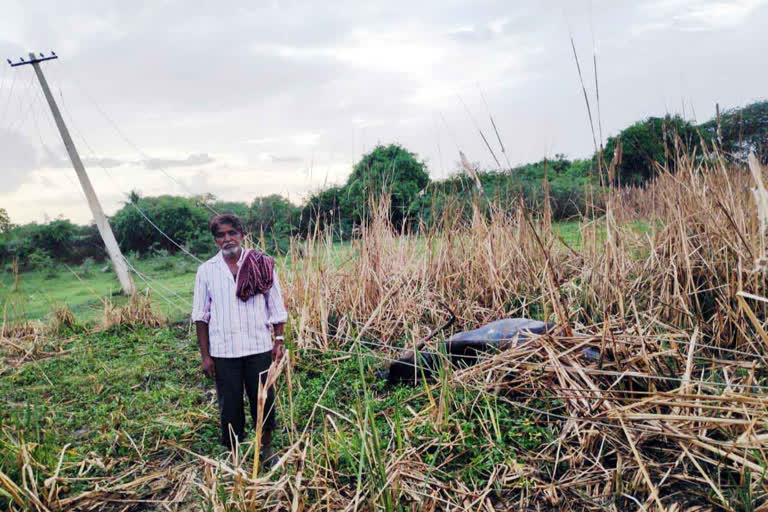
134	196
329	207
180	218
650	142
5	221
453	197
238	208
389	170
743	130
274	216
55	238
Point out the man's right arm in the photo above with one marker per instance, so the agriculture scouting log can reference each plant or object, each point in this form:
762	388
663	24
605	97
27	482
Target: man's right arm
201	329
201	315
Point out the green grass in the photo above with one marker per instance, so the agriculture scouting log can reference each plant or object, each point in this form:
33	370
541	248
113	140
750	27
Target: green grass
126	396
83	288
569	231
114	393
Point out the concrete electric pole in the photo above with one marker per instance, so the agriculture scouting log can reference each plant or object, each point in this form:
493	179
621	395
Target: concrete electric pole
118	262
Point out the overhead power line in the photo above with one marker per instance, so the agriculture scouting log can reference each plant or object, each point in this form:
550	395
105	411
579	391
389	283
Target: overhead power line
38	102
25	100
8	99
134	146
110	243
141	212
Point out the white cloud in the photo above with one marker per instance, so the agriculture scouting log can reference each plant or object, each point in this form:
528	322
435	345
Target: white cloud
718	14
411	51
299	139
262	140
18	158
694	15
433	61
285	97
306	139
190	161
391	51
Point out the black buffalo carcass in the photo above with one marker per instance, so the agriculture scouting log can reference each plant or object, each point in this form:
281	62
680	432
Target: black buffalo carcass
464	348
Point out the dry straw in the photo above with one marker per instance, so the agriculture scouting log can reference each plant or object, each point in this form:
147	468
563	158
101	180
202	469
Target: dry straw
653	384
137	311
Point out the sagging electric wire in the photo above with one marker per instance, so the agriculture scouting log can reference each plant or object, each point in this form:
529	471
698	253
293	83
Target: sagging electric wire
114	182
129	142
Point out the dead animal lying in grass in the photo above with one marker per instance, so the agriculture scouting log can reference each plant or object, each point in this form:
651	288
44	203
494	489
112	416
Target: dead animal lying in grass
463	349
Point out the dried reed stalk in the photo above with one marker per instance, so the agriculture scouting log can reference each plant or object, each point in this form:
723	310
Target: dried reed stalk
656	399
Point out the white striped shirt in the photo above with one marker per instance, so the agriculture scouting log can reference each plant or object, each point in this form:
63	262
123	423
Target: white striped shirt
235	328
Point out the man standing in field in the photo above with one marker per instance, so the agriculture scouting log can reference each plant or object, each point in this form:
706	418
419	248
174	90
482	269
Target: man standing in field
237	308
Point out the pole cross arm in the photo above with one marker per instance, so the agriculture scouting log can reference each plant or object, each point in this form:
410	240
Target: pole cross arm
42	58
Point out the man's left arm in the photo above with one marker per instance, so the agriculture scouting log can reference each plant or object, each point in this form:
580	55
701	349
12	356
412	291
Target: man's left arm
277	316
278	347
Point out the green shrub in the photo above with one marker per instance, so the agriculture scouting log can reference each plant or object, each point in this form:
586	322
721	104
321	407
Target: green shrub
742	130
87	267
183	265
179	218
648	143
38	260
276	219
163	264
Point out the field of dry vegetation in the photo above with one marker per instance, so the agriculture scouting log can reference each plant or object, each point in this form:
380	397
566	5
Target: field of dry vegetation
650	393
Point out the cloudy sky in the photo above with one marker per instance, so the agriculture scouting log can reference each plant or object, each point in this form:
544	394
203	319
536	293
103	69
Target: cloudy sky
243	99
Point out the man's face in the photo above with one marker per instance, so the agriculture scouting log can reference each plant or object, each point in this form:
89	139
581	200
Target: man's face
228	239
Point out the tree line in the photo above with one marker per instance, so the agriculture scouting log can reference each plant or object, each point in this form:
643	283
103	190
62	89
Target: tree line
415	200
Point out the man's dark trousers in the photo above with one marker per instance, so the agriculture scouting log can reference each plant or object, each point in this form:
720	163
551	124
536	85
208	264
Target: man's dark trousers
232	376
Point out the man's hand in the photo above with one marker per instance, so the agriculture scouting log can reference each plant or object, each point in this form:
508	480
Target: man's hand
278	351
209	369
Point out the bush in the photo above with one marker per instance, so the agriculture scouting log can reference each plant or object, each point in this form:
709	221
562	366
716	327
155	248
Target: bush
163	264
184	266
38	260
329	208
276	219
742	130
201	245
179	218
60	239
87	243
567	181
56	238
391	170
87	267
648	143
5	249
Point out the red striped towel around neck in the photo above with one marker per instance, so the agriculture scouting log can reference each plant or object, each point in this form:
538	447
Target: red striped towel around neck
255	274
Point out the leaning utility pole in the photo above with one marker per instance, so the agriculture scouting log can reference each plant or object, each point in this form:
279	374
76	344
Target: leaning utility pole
121	269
